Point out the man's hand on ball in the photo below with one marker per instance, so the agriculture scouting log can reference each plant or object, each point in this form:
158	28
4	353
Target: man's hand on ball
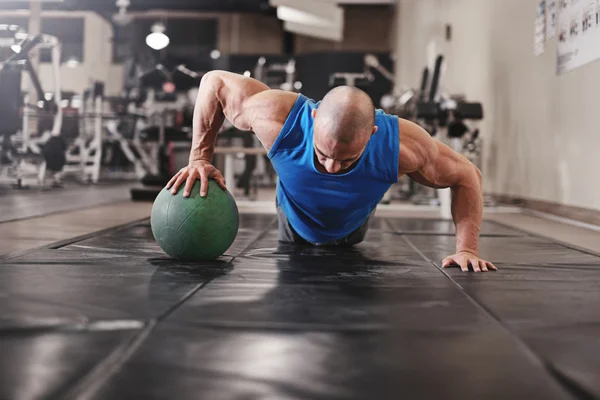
200	169
464	259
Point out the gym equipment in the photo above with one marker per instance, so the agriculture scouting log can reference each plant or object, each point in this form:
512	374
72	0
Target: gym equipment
161	139
20	153
230	153
357	78
276	75
195	228
54	152
84	150
371	61
179	78
164	128
271	74
453	120
350	79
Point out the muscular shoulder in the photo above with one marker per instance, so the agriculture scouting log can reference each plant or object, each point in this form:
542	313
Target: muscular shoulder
416	145
251	105
267	112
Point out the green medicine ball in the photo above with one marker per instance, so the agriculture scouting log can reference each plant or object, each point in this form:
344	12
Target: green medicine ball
195	228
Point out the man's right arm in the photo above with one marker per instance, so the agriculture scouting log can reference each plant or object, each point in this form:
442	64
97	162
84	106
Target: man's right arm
221	95
247	103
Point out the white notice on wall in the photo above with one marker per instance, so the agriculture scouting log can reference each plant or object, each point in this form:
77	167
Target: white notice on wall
540	28
550	19
578	33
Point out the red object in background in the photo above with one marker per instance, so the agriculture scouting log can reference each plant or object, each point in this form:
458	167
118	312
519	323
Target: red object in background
169	87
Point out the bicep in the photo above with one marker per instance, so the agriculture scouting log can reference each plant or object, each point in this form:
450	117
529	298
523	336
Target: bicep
429	161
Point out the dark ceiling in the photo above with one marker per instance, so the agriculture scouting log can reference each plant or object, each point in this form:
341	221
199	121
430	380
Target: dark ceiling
108	6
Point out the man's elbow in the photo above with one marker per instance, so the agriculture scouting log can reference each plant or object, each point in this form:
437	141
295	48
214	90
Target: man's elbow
209	78
469	177
473	176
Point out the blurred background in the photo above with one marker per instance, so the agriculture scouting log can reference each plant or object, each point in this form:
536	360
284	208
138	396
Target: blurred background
102	92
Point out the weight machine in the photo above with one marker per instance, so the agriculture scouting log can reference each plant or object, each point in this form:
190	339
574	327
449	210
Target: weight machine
19	150
453	120
271	74
83	155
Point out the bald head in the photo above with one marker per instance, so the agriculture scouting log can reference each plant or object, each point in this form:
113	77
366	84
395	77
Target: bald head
344	123
346	115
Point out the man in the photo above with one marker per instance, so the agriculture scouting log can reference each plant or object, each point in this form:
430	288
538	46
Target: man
334	160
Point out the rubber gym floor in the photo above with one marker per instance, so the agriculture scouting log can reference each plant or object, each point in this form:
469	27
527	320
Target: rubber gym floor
91	308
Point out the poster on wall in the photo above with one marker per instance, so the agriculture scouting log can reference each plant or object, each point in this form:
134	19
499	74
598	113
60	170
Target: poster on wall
540	28
550	19
578	33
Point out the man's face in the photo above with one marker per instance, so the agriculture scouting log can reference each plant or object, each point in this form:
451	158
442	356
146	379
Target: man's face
334	157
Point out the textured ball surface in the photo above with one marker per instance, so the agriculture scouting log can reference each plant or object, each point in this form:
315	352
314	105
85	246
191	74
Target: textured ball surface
195	228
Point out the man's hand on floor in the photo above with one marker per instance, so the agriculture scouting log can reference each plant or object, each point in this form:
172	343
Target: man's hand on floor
464	259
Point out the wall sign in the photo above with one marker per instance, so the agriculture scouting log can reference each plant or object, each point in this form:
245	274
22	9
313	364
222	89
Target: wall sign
578	33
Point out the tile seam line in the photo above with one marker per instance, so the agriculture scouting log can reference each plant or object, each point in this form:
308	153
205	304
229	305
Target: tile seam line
90	384
536	359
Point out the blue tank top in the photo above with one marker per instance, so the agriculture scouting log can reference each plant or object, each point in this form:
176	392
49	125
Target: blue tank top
323	207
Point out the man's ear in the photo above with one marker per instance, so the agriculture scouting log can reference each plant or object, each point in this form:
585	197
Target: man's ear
314	113
375	129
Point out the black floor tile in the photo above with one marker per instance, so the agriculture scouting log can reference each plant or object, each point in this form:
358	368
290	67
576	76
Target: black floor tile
319	323
44	366
572	352
279	286
545	292
540	306
378	223
329	306
554	311
378	245
526	251
278	321
56	287
138	241
187	363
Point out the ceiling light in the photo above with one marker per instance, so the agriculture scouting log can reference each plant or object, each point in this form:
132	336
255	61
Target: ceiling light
157	40
72	62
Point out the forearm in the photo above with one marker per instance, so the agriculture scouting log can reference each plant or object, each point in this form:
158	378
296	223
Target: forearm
467	211
208	119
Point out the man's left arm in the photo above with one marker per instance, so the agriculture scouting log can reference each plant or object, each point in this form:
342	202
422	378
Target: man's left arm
434	164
